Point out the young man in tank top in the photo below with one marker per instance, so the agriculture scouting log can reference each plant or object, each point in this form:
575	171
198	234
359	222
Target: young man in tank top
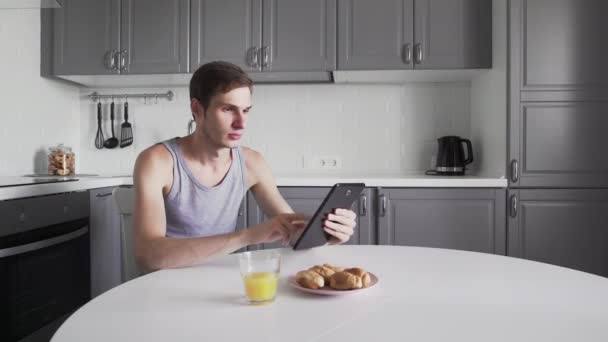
188	190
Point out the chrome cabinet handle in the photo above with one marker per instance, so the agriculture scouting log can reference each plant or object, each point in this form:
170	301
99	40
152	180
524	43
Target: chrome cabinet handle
407	53
513	206
514	171
382	205
265	58
252	57
363	207
34	246
104	195
418	52
123	60
111	59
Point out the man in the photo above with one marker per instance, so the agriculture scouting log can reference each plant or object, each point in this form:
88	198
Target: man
188	190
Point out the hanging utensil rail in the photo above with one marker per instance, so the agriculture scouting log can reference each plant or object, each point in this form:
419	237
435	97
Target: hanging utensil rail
168	95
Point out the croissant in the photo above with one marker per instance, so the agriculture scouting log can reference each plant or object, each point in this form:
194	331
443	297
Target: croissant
323	271
334	268
310	279
345	281
359	272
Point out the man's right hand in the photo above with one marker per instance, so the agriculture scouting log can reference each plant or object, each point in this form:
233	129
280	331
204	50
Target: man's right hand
281	227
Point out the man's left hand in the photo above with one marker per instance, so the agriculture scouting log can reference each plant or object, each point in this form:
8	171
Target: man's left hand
340	225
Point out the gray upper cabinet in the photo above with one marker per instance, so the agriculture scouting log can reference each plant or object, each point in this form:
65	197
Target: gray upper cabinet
375	34
99	37
419	34
561	227
264	36
465	219
154	36
85	36
559	144
453	34
299	35
228	30
307	199
558	45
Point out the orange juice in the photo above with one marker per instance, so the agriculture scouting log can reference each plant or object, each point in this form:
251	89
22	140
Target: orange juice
260	286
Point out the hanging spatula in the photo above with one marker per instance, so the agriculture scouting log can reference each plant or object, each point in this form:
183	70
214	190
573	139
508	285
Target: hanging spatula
126	131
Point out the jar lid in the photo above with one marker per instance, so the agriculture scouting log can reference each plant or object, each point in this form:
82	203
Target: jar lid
60	148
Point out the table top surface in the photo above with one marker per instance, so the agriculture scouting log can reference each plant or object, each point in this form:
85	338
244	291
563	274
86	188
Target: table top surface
423	294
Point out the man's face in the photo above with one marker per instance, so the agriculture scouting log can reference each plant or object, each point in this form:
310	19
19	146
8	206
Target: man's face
223	123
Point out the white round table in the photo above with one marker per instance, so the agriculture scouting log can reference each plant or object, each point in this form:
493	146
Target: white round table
423	294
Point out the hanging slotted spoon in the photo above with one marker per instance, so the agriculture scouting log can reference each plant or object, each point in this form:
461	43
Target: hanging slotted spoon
126	131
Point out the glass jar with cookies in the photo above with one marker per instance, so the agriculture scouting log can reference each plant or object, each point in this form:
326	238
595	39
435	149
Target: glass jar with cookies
61	161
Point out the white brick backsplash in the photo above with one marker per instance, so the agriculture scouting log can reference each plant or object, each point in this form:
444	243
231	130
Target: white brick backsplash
372	128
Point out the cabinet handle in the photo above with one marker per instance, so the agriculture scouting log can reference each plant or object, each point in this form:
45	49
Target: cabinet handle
513	206
104	195
363	207
418	52
264	51
382	205
123	60
407	53
252	57
111	59
514	171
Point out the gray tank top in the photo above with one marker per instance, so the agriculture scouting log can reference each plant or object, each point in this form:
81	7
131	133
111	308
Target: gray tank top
195	210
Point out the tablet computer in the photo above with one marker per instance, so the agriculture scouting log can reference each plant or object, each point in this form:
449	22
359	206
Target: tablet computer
341	195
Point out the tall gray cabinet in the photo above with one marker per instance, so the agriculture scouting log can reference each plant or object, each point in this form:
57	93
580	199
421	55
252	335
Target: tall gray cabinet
558	171
414	34
265	35
98	37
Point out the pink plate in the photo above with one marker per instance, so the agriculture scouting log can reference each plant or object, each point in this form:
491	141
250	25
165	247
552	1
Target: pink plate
328	291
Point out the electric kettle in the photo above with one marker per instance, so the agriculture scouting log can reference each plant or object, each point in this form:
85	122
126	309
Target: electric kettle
451	159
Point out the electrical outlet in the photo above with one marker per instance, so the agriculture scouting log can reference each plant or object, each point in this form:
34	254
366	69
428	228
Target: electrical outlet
324	163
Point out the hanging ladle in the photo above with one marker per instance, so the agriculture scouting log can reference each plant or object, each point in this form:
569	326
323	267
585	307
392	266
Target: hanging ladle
113	141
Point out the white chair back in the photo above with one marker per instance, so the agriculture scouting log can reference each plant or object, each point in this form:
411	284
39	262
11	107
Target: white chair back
123	197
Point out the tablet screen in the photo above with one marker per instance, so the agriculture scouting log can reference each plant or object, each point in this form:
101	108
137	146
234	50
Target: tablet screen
341	195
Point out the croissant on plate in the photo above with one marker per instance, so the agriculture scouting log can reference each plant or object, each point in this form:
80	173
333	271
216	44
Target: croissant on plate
310	279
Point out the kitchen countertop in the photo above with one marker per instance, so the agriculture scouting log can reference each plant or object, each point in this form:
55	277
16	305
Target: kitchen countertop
410	180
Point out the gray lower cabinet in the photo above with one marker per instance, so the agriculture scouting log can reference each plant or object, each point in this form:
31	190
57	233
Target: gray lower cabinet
465	219
414	34
85	36
561	227
306	200
98	37
265	35
105	241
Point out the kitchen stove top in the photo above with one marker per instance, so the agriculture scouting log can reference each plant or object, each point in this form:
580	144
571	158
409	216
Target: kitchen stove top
22	181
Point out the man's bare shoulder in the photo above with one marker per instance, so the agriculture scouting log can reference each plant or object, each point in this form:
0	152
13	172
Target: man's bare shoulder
155	160
257	167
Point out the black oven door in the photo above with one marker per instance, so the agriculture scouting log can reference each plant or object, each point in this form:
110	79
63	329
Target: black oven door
44	277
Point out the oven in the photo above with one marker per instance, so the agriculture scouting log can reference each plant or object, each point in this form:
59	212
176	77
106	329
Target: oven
44	264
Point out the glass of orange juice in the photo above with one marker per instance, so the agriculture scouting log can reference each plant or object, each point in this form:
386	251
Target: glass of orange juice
260	273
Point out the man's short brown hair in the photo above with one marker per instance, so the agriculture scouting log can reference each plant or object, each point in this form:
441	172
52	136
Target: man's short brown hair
215	77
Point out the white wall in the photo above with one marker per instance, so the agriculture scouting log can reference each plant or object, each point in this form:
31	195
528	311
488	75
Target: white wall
35	113
374	129
489	102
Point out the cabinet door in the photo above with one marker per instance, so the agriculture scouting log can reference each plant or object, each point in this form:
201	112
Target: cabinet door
559	44
299	35
559	144
453	34
227	30
84	34
306	200
465	219
561	227
375	34
105	241
154	36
